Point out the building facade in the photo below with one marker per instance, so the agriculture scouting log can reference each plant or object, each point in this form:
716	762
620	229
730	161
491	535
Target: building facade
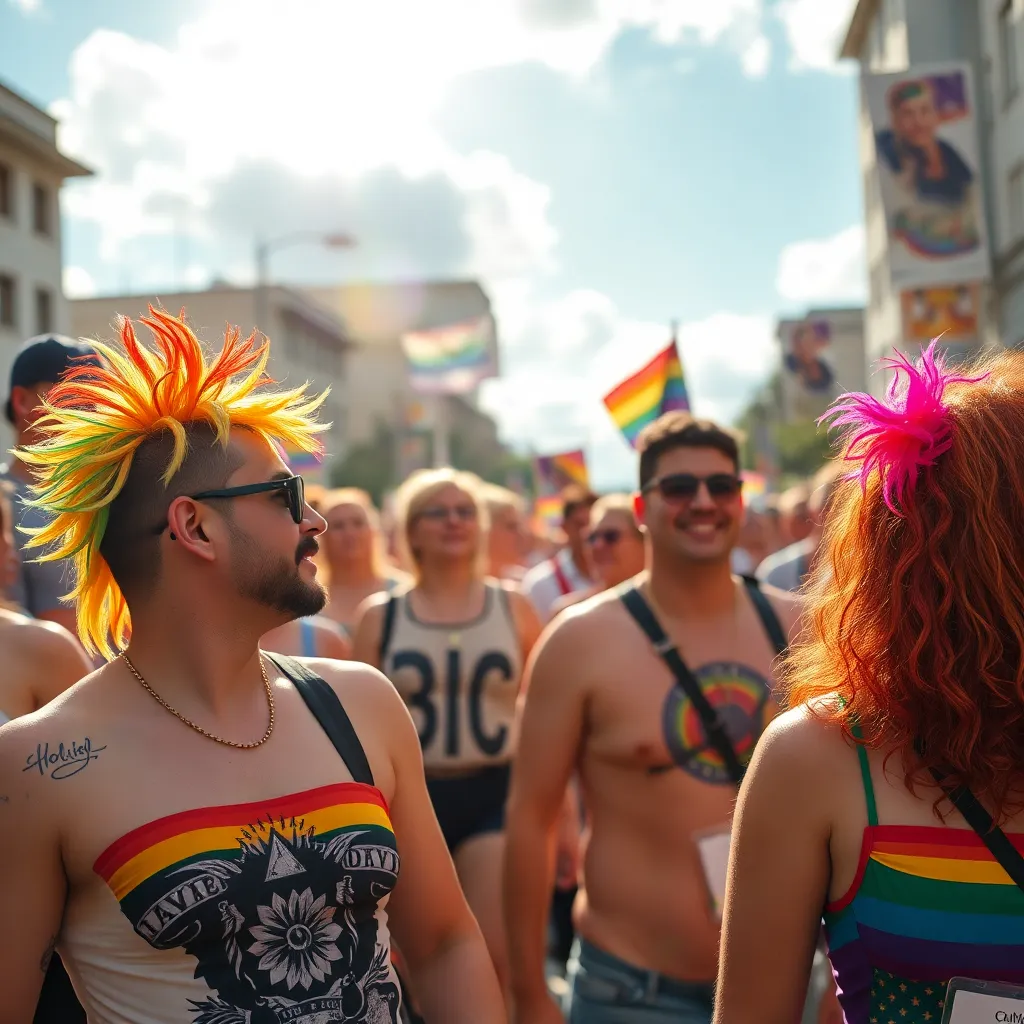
309	342
32	171
987	36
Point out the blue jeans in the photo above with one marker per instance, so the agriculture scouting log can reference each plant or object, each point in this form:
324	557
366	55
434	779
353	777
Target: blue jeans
606	990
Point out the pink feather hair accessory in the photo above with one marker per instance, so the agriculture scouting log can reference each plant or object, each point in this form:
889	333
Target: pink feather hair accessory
906	432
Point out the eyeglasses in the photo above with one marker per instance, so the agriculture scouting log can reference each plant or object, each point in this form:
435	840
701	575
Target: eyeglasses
685	486
438	513
610	536
293	487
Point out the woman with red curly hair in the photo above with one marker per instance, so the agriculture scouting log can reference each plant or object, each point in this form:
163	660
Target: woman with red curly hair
890	798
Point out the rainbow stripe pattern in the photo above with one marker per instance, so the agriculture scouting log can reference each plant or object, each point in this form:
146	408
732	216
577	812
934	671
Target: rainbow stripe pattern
276	901
555	472
452	359
657	388
928	903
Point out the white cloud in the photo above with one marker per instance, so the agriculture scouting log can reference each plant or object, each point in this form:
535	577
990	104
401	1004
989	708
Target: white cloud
815	29
27	6
757	57
78	283
824	270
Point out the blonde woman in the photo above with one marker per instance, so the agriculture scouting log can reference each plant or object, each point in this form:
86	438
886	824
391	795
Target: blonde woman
352	554
454	643
507	537
616	545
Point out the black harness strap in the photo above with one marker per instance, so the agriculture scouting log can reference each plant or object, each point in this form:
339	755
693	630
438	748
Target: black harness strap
327	709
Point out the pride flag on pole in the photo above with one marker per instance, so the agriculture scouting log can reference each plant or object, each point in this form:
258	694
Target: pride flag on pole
553	473
453	359
657	388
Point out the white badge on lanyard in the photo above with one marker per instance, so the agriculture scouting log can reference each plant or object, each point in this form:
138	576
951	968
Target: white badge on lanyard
983	1002
713	848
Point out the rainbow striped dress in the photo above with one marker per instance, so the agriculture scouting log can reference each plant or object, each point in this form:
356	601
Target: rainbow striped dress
928	903
270	911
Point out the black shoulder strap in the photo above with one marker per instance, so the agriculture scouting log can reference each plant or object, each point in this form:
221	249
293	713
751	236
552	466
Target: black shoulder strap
323	702
715	729
766	613
387	627
981	821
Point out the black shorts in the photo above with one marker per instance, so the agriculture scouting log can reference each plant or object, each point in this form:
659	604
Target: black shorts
470	805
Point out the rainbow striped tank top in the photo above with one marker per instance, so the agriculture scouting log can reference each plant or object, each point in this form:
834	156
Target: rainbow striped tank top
266	912
928	903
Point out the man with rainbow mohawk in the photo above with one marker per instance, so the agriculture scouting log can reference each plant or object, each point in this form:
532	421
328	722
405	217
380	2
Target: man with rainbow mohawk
180	825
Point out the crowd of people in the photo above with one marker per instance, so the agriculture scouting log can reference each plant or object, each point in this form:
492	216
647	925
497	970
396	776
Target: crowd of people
282	756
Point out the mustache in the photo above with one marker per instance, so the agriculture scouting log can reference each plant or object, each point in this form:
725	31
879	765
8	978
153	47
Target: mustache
307	546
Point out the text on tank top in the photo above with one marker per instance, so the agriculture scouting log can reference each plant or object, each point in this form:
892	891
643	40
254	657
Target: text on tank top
268	911
460	682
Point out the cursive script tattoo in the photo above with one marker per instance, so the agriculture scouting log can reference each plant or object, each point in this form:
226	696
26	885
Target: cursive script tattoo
65	761
51	948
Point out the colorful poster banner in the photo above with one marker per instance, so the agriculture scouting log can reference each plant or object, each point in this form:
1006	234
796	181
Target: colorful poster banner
926	144
951	312
453	359
655	389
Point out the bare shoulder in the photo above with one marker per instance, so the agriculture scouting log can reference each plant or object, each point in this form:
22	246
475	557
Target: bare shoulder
358	685
372	608
37	635
585	626
804	745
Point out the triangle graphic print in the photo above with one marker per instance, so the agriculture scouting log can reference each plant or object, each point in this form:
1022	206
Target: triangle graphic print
282	860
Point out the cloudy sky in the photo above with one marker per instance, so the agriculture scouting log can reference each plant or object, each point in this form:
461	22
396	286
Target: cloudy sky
603	166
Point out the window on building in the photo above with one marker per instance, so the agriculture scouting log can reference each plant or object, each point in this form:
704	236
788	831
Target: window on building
44	311
6	192
7	294
1010	49
41	209
1016	197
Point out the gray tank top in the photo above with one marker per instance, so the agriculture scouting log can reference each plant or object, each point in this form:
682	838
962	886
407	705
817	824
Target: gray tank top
460	682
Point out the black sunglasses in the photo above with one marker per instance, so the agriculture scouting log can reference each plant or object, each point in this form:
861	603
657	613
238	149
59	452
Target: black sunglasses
611	536
293	486
684	486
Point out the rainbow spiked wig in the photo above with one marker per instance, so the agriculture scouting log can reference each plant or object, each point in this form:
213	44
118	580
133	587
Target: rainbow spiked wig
97	417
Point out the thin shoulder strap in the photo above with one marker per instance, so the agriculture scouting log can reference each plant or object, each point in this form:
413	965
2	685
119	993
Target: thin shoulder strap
387	626
714	727
865	774
767	615
323	702
308	638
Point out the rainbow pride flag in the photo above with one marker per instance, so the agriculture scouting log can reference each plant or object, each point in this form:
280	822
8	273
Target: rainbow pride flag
657	388
452	359
547	513
553	473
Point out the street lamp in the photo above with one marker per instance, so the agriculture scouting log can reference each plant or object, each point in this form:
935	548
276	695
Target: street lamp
264	247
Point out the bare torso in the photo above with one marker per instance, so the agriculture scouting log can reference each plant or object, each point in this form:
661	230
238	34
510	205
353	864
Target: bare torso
644	897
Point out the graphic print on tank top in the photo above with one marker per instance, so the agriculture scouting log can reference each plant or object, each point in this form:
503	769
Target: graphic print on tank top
281	903
460	682
741	697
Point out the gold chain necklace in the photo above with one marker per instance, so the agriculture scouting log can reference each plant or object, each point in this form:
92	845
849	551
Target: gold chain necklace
198	728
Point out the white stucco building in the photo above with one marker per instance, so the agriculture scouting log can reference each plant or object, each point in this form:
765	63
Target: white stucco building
32	171
896	35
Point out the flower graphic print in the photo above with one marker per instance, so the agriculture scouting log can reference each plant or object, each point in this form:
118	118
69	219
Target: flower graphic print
281	911
295	942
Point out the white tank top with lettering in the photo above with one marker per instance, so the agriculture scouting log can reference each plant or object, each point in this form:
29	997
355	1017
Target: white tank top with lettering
460	682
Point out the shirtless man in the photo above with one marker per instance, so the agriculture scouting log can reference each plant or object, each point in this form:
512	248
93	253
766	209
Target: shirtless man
205	832
601	703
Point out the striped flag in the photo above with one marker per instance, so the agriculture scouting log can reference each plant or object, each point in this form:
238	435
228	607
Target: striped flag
553	473
453	359
657	388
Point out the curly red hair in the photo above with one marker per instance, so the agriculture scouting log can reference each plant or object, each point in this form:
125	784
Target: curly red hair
917	614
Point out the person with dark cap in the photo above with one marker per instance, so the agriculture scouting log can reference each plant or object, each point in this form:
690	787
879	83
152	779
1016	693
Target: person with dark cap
38	365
